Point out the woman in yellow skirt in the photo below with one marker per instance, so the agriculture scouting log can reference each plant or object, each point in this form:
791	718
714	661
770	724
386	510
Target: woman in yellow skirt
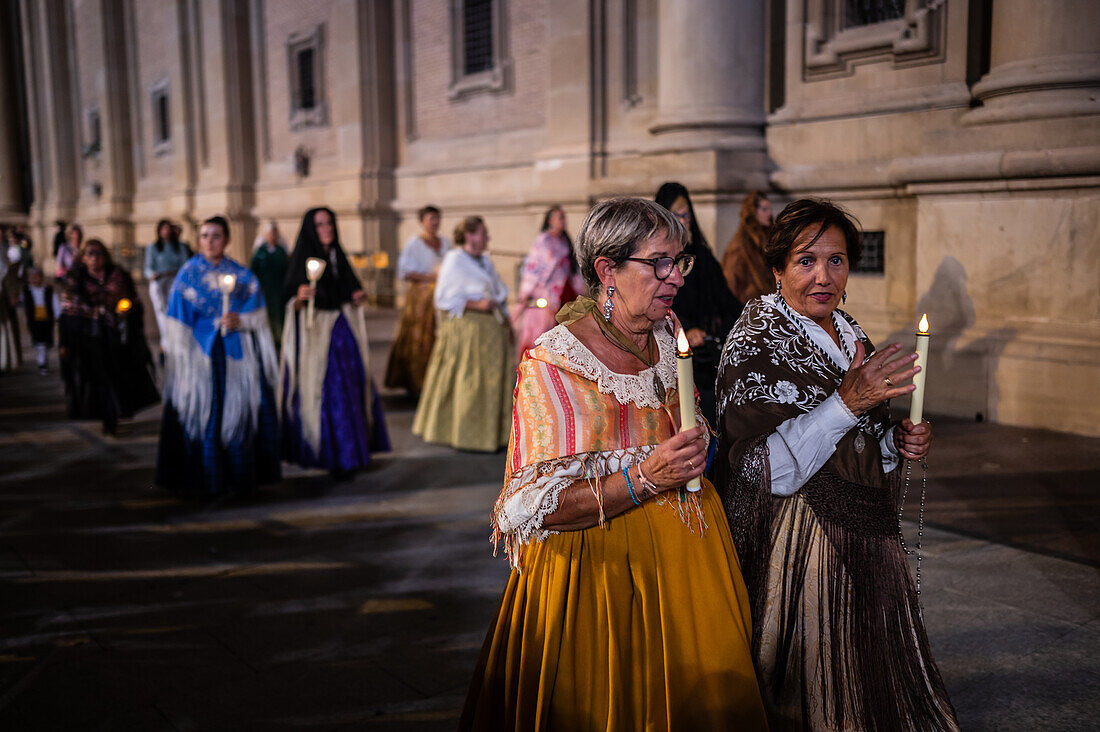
467	397
625	609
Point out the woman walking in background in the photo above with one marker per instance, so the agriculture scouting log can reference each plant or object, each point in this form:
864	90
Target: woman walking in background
68	251
105	361
331	414
163	259
219	431
550	279
269	264
746	271
706	307
467	400
418	267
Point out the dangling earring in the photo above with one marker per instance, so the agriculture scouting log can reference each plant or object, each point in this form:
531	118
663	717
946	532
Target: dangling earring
779	287
843	297
608	306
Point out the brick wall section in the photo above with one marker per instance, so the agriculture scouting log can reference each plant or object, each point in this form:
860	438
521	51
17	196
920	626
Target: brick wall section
522	105
284	18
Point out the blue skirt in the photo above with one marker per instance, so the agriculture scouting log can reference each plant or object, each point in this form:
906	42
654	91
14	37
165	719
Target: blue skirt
208	467
347	438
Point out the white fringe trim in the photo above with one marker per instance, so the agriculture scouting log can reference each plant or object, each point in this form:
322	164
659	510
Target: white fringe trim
308	375
189	385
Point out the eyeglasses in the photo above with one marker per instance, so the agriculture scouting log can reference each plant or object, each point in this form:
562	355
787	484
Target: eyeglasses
662	266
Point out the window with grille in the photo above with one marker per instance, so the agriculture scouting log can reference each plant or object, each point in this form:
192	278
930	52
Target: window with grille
161	119
305	54
873	259
477	36
478	47
868	12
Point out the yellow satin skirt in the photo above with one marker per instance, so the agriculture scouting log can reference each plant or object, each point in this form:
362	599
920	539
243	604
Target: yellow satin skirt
640	624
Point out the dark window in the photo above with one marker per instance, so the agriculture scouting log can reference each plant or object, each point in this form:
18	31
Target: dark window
477	36
867	12
162	123
873	259
307	96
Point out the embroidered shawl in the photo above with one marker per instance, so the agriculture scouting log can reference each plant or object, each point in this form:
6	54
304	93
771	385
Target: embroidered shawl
191	329
871	635
573	418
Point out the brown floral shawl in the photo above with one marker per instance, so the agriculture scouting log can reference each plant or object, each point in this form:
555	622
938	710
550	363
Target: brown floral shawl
770	372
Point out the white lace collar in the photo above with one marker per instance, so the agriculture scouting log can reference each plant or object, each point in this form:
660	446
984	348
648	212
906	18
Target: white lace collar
823	340
637	388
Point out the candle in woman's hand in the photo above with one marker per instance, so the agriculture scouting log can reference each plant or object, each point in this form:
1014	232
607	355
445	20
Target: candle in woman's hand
226	283
685	385
315	267
916	406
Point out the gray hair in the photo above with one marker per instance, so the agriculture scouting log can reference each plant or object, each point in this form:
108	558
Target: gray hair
615	227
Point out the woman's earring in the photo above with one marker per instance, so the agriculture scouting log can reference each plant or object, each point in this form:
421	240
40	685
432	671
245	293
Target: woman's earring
843	297
779	287
608	306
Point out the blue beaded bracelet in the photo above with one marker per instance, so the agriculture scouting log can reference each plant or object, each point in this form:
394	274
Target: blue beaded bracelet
630	487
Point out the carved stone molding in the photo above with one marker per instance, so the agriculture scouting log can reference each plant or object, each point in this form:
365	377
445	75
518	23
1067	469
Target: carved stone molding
832	48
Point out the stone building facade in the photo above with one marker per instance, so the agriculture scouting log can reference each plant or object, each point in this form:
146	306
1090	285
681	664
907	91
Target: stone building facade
964	134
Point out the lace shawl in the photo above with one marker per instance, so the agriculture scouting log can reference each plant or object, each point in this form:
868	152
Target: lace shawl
576	419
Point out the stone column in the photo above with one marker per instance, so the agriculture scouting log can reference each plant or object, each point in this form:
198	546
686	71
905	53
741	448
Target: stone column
711	70
1044	61
11	197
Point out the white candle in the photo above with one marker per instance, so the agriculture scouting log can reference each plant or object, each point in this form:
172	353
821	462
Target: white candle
685	385
315	267
226	285
916	406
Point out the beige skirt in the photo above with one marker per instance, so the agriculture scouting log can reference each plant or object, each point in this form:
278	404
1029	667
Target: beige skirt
467	397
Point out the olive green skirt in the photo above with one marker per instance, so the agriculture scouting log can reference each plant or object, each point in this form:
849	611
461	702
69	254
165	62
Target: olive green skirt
467	397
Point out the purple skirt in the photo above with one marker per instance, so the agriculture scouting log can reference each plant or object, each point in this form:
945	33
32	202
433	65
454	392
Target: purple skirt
347	438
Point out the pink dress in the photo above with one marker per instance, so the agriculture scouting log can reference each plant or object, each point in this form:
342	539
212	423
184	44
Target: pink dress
546	274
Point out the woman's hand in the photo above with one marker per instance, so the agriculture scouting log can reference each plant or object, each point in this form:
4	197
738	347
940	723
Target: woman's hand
483	305
911	440
677	460
695	337
231	321
358	297
305	292
879	379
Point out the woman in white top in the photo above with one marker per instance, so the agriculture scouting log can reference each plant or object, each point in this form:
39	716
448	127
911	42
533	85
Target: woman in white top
467	398
417	266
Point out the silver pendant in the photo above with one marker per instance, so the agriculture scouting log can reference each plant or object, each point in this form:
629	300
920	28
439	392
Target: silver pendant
860	443
658	387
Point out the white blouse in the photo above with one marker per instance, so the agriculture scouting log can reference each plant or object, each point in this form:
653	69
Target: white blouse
801	445
419	258
464	277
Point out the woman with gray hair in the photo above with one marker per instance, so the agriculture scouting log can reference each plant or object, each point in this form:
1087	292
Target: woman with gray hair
629	611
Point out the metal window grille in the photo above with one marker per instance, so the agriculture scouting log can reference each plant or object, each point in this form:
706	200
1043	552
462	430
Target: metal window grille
873	259
307	92
477	36
162	122
868	12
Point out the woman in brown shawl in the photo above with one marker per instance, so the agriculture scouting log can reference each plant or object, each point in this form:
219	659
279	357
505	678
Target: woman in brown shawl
808	471
743	264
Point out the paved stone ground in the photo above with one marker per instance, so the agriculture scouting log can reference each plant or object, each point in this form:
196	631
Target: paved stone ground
362	605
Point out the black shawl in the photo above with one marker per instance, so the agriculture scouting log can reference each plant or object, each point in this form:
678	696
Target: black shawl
337	283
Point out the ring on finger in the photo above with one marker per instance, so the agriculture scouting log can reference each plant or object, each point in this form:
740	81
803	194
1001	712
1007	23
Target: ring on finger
888	382
691	464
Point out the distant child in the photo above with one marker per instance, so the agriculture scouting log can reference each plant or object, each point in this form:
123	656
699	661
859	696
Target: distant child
42	308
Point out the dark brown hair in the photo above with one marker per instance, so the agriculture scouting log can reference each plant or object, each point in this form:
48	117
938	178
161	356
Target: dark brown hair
801	215
469	225
429	209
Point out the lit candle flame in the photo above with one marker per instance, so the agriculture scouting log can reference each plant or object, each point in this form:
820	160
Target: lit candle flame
541	302
123	305
315	267
228	282
682	346
922	327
